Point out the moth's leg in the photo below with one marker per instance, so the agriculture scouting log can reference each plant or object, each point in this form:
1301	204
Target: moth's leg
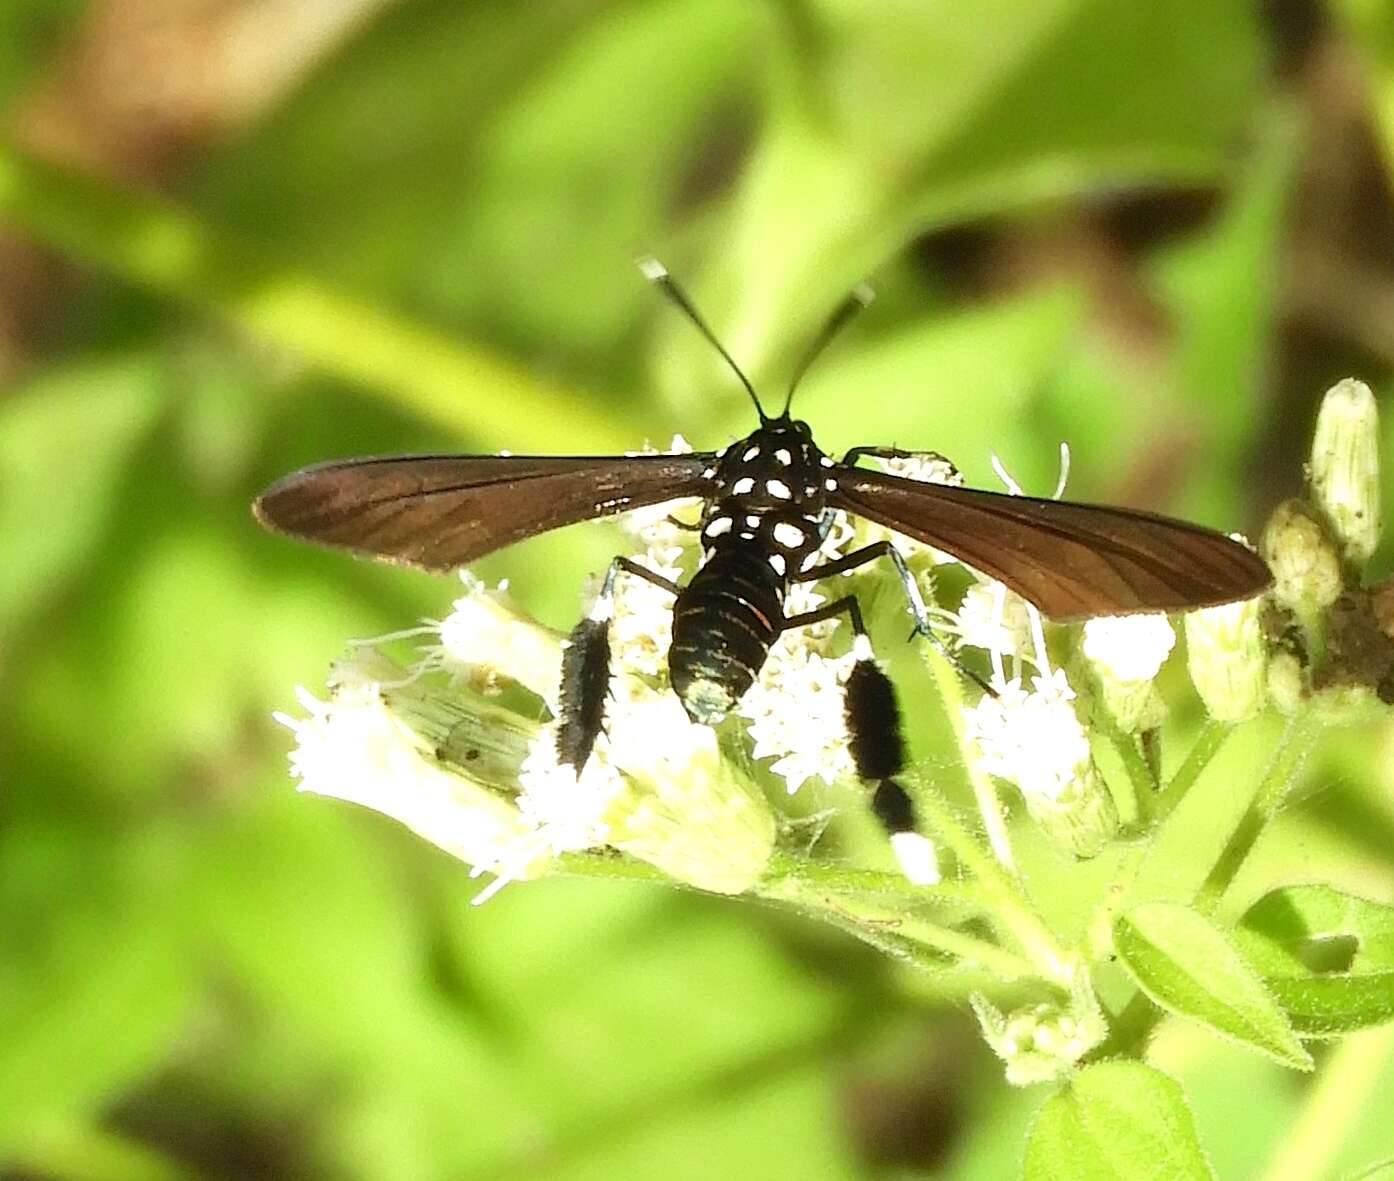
873	724
585	668
897	453
685	526
885	549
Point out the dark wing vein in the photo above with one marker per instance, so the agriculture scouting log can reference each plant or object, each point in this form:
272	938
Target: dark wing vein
1071	560
442	511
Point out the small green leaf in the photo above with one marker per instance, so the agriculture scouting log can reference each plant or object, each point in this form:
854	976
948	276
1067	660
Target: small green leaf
1116	1120
1298	916
1189	966
1328	1005
1287	929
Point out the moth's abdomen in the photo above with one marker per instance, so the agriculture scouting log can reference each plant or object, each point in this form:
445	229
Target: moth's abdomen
723	625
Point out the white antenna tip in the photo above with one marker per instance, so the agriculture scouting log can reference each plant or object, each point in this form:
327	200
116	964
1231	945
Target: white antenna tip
652	270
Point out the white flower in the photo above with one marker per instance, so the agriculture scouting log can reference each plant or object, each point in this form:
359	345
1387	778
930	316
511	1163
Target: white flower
1127	652
797	715
359	748
1032	739
993	618
487	634
656	787
1035	740
641	628
1129	648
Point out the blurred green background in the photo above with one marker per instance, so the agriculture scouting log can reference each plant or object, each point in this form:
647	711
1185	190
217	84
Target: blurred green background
237	236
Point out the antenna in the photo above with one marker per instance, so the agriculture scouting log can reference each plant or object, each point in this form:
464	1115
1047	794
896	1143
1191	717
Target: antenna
655	272
860	296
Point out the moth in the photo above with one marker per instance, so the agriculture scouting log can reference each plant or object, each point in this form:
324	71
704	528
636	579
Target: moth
767	505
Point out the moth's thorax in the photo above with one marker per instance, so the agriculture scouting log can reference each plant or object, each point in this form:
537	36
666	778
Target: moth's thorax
770	491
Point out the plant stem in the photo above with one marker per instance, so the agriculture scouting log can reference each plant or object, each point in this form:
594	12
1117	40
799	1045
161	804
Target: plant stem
1293	748
1335	1099
1140	777
946	679
1206	746
872	922
1000	893
154	244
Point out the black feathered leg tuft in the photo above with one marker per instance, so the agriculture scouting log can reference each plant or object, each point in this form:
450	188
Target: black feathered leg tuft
585	682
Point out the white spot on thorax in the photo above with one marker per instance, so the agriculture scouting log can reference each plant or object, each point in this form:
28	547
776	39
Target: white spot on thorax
783	456
742	486
750	454
778	488
753	521
777	563
788	535
830	484
717	527
825	461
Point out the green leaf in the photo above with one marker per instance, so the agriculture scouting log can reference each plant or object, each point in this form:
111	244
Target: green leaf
1336	1003
1116	1120
1297	916
1189	966
1287	929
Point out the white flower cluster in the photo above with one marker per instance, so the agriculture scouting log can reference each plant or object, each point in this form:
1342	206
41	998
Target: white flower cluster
1031	737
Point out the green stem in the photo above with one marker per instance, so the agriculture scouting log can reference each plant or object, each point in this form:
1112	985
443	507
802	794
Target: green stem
871	883
1140	777
1334	1101
1206	746
154	244
1000	892
994	817
1293	748
865	919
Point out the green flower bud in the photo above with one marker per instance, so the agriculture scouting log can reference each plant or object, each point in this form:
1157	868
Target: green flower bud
1344	470
1082	819
1228	659
1305	563
1042	1043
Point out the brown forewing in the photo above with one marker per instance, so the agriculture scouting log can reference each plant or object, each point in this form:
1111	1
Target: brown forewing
1072	561
439	512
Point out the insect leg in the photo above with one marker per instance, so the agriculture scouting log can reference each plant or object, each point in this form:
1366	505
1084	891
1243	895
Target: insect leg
856	453
585	668
885	549
873	723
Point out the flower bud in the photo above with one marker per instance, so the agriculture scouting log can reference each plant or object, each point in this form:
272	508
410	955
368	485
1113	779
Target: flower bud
1344	470
1306	566
1041	1043
485	631
1127	652
1228	659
